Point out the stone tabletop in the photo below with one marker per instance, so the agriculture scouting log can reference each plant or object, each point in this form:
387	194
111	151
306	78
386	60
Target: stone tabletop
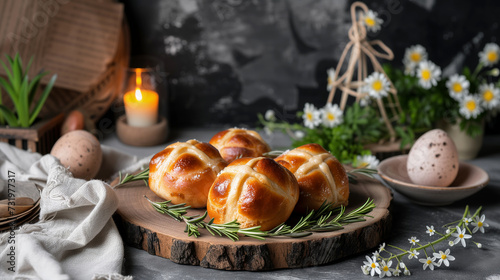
408	220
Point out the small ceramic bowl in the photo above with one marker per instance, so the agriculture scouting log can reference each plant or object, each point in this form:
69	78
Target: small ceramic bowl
470	179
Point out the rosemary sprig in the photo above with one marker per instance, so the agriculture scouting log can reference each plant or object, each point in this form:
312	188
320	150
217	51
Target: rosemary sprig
176	211
352	174
315	221
143	175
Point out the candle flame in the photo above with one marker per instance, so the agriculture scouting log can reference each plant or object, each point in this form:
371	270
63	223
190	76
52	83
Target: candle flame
138	94
138	78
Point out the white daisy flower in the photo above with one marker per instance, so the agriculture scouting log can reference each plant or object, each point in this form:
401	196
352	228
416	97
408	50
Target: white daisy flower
443	257
365	269
428	73
407	272
458	86
332	115
312	116
385	269
470	106
367	161
381	247
372	265
376	85
490	54
371	20
396	272
413	240
430	230
413	56
270	116
479	224
413	254
365	100
299	134
490	96
460	236
428	263
331	78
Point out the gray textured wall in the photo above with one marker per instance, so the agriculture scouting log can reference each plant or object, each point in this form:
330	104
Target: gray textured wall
230	59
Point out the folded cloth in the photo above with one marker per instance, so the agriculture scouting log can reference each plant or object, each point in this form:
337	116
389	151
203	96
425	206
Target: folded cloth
75	237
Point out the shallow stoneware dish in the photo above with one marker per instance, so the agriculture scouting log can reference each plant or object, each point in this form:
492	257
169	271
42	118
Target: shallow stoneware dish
470	179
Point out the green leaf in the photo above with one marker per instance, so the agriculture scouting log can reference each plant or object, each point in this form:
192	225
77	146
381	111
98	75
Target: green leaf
23	110
2	120
16	73
34	86
7	71
27	69
42	100
9	116
11	92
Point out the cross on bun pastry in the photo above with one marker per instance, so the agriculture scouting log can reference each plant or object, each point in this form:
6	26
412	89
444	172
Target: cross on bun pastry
255	192
184	172
320	175
236	143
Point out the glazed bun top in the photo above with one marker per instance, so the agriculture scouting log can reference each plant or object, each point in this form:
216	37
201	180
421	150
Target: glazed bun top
236	143
320	175
255	192
184	172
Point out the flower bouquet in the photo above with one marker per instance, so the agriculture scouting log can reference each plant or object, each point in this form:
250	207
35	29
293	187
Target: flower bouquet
468	99
391	103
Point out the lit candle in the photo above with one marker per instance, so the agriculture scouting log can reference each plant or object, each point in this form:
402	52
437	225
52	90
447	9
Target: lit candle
141	106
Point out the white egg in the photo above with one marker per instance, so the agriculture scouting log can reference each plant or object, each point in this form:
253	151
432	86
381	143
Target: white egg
433	160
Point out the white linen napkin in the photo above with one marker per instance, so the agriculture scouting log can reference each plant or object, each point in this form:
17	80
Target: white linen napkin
75	237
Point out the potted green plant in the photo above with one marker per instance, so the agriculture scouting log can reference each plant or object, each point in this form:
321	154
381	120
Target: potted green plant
459	103
22	128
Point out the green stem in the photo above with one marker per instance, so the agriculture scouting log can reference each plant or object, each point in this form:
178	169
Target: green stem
477	70
443	238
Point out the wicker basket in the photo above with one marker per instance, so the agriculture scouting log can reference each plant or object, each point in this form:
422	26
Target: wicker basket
39	138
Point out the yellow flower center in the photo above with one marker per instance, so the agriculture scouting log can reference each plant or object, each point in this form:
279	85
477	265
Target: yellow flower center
377	85
471	106
415	57
426	74
457	87
386	268
488	95
370	21
443	257
461	235
373	265
429	261
330	117
479	224
492	56
309	116
330	81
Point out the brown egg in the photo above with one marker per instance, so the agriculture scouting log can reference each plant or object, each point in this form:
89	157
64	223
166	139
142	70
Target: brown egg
81	152
74	121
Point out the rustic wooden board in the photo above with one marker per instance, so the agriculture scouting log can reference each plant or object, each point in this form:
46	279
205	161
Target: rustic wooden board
142	227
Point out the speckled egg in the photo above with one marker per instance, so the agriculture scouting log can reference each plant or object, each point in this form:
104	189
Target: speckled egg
433	160
81	152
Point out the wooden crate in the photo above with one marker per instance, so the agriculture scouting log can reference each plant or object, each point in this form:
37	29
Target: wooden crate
39	138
